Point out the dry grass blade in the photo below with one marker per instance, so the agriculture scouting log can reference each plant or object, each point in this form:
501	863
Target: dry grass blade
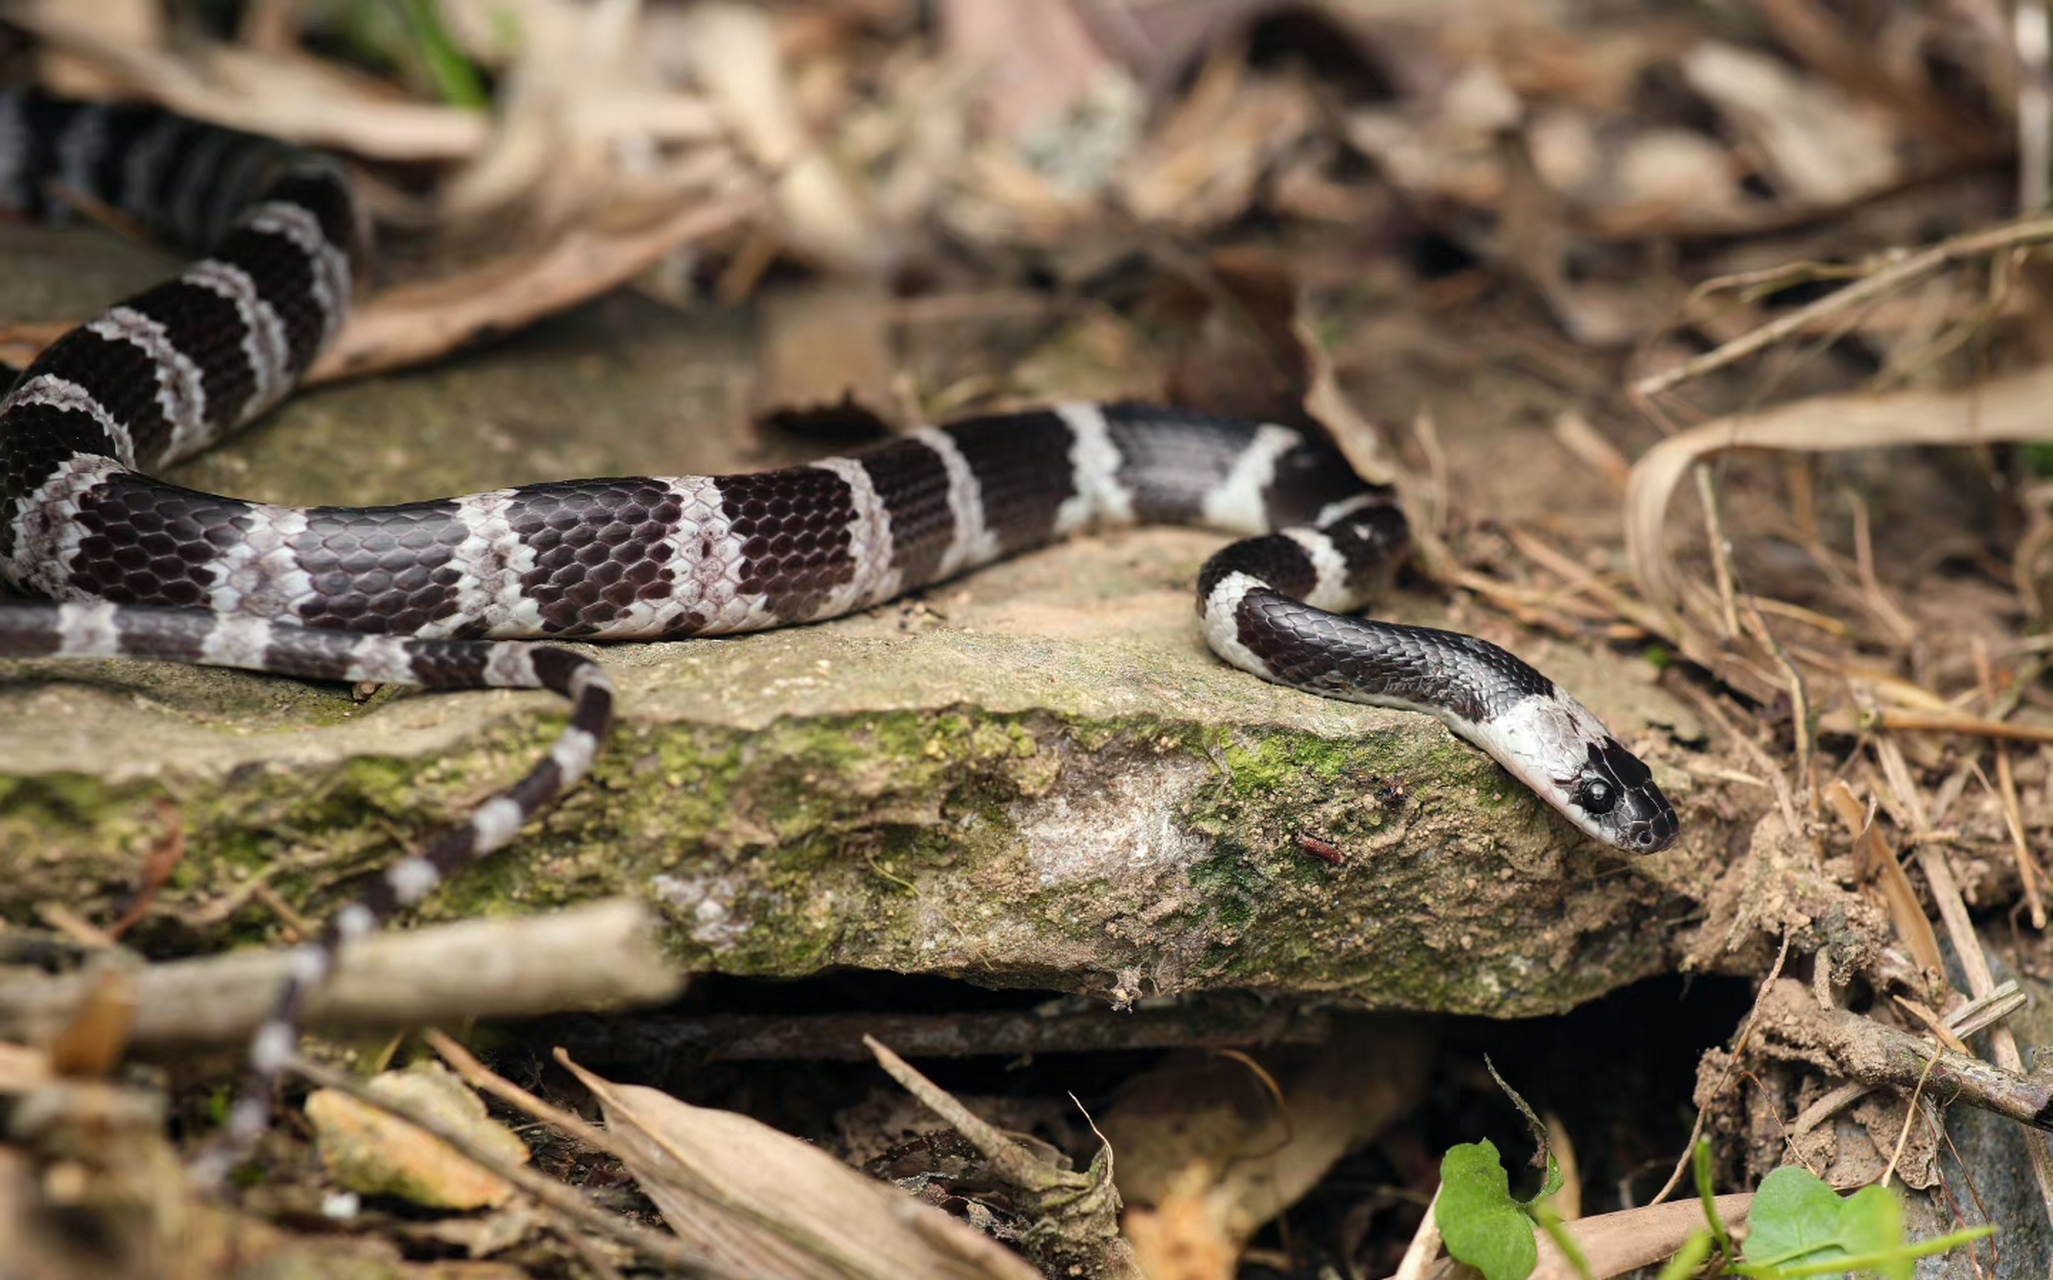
764	1203
2012	408
1878	862
1894	272
2013	820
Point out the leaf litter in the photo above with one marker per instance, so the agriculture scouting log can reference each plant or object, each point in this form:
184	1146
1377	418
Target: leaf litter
1744	270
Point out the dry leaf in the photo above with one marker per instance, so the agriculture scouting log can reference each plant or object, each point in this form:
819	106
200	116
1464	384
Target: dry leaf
2008	409
1076	1227
762	1202
820	215
1199	170
1818	146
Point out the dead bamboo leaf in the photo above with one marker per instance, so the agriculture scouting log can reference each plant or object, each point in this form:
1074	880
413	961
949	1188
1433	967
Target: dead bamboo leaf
2012	408
1878	863
760	1202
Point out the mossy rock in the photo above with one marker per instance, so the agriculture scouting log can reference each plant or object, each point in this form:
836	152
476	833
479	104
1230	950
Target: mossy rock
1036	776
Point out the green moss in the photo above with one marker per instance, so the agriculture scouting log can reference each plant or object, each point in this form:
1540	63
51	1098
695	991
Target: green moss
868	839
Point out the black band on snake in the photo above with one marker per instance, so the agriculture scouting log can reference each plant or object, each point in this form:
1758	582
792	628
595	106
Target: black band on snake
442	593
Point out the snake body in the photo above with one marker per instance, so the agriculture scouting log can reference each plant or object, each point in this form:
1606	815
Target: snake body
448	593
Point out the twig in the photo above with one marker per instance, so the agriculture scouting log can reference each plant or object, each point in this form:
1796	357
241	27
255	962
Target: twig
1971	1018
565	1200
600	955
1934	1024
1973	726
476	1075
1910	1116
1721	549
1967	946
1896	269
1865	1050
1799	708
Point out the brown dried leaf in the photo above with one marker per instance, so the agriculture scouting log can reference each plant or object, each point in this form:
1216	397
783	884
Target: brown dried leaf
1878	864
821	215
412	325
762	1202
93	1041
1818	147
1200	168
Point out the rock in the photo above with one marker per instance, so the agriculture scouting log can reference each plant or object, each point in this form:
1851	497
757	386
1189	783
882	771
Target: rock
1035	777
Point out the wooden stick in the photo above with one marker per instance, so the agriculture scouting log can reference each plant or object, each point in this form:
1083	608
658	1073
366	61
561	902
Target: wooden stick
602	955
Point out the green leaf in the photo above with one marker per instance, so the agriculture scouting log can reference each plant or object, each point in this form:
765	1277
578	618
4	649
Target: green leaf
1798	1221
1794	1213
1871	1221
1480	1222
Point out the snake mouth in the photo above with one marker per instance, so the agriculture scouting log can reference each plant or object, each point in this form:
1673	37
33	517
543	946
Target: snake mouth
1650	824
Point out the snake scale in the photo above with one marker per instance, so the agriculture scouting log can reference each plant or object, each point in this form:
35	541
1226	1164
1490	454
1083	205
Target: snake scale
451	593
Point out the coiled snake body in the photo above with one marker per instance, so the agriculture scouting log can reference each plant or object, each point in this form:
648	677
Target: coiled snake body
442	593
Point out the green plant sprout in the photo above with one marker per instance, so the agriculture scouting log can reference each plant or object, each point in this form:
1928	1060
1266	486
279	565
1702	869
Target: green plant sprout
1797	1226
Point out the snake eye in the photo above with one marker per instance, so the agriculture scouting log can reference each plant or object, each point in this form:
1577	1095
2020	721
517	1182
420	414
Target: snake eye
1596	797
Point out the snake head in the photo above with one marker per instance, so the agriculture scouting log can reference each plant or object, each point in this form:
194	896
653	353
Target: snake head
1554	745
1613	797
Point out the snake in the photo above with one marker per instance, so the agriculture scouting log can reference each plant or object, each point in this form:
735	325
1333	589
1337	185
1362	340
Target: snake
107	561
